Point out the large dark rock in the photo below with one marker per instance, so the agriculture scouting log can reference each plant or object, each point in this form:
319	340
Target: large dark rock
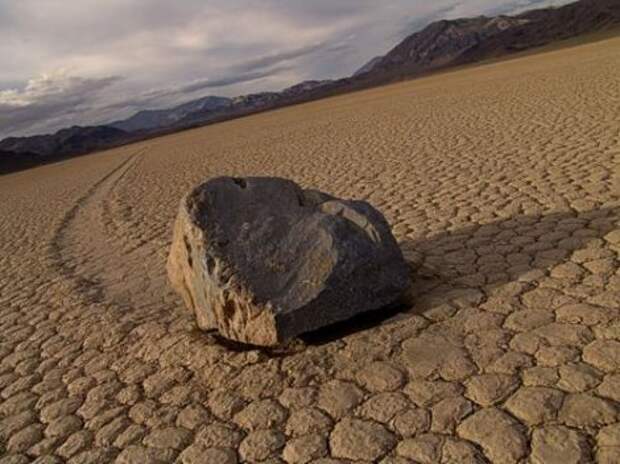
261	260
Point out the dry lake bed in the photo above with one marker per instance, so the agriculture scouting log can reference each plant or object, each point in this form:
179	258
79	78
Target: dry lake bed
501	184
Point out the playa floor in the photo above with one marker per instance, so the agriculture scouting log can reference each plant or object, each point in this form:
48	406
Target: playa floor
499	183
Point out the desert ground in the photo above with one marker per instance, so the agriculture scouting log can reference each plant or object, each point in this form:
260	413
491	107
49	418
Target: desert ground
501	185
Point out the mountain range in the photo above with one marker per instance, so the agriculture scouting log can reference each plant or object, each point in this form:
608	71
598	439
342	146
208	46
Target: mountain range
467	40
155	119
440	45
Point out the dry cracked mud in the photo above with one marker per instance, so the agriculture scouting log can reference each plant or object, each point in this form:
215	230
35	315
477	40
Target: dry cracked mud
501	184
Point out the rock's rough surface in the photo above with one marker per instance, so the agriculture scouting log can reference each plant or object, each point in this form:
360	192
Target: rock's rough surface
262	260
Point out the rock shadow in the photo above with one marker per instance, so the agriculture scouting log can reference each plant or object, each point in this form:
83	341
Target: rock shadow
476	260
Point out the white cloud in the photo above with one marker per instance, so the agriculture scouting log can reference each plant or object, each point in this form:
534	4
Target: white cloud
52	86
56	96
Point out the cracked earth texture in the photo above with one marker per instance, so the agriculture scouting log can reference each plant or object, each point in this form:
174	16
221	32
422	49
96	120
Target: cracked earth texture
499	184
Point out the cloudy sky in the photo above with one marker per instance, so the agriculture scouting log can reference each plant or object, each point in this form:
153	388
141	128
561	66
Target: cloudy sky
82	62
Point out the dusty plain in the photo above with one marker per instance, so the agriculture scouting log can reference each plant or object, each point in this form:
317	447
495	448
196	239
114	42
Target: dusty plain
501	184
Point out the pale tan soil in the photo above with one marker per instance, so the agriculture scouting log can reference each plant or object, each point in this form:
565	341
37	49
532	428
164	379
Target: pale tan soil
499	182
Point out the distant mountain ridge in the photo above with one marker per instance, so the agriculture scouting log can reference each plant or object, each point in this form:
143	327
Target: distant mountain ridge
467	40
21	152
154	119
440	45
203	109
65	141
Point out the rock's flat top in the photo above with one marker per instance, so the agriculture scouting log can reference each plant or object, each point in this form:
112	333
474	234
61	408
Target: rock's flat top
499	182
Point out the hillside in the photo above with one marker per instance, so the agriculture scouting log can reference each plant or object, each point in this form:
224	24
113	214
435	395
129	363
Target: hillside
21	152
449	43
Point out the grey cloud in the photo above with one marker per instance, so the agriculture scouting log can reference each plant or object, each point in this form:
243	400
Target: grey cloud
49	98
231	79
279	57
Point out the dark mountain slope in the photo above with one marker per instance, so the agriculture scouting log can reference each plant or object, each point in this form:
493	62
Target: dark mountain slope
455	42
18	152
